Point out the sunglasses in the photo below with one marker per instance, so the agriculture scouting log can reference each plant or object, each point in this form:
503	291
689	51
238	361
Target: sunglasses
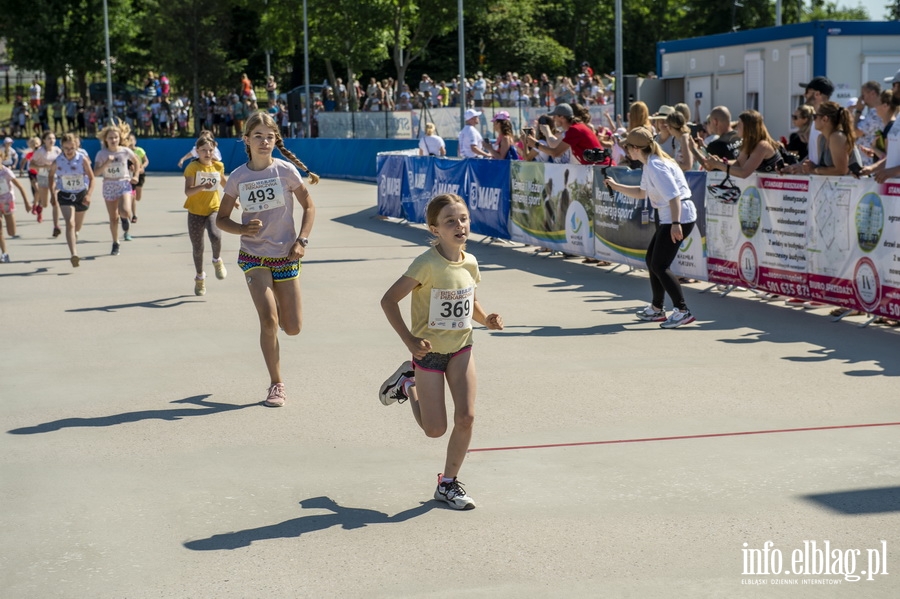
795	117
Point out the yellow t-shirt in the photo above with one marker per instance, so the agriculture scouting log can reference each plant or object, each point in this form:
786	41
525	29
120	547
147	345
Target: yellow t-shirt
204	203
444	301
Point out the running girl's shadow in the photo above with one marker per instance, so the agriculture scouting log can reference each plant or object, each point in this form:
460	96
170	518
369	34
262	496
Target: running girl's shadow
160	303
205	408
347	518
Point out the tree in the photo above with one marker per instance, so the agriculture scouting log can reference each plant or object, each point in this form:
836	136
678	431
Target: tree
187	38
413	26
893	9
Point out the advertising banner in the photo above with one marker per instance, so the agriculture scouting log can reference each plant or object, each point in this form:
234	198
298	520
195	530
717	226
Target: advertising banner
552	206
391	177
487	195
420	182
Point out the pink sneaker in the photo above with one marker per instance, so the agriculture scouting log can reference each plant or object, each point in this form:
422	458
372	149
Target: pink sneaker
276	398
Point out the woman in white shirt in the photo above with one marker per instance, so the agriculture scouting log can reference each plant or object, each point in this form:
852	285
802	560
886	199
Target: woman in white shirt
432	144
664	184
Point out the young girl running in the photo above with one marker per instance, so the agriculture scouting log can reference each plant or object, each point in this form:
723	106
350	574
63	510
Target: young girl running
9	159
43	158
111	163
442	282
140	173
202	179
271	248
72	179
8	205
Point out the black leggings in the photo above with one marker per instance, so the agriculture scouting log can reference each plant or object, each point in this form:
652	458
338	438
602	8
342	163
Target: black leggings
660	254
196	225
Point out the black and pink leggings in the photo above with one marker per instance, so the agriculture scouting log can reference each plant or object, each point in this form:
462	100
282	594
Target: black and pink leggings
196	225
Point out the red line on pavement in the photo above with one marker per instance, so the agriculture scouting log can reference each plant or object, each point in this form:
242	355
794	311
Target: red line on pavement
682	437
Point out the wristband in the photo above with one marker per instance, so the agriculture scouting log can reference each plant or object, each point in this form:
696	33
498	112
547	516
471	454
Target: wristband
304	241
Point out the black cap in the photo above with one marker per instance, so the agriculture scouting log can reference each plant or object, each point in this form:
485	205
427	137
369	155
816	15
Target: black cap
822	85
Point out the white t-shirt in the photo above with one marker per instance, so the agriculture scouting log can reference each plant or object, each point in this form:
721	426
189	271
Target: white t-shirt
431	145
468	137
813	145
663	180
892	158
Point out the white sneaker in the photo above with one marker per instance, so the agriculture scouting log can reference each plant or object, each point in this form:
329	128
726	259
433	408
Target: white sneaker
4	258
391	389
221	273
651	314
678	318
453	494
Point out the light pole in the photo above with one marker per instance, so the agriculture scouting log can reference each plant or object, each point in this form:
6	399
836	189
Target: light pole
462	67
109	95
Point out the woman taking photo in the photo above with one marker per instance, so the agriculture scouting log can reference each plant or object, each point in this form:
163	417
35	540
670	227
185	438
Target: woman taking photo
759	152
505	146
664	184
838	155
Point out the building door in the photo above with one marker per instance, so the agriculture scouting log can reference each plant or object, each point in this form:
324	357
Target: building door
698	96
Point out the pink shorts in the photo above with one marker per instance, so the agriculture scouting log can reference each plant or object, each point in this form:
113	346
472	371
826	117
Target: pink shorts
7	206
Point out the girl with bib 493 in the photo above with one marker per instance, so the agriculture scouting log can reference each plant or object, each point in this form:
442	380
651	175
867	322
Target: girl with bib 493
271	247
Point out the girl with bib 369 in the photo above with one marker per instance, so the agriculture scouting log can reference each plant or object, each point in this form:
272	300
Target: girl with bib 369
442	282
271	247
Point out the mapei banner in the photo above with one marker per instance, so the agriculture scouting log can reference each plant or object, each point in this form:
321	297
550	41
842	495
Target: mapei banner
391	177
486	192
552	206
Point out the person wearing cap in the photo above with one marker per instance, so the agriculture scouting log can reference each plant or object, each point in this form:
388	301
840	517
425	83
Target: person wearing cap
505	148
577	136
663	182
889	166
816	92
470	140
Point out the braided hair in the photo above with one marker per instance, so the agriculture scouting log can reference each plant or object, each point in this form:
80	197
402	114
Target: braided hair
266	120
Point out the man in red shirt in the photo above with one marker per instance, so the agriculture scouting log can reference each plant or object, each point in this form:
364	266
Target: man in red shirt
578	137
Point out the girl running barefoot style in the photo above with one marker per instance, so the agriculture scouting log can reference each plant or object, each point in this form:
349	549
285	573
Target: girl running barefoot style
72	179
271	248
442	282
202	179
112	164
663	182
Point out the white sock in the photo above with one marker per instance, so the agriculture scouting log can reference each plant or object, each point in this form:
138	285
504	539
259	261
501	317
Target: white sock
445	480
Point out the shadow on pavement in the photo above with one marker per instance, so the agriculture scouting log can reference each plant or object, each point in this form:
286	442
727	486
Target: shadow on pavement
205	408
160	303
767	322
865	501
347	518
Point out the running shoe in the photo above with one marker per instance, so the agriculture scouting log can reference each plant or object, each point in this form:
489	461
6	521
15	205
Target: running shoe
651	314
221	273
453	494
39	210
56	232
392	389
275	398
200	285
75	261
115	249
4	258
678	318
127	236
134	218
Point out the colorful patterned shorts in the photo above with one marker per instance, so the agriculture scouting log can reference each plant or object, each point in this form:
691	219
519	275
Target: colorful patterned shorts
113	189
283	269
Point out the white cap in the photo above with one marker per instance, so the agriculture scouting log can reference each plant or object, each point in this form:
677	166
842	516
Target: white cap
471	113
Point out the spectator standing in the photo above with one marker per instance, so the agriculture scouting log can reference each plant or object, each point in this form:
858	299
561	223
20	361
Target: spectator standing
889	166
577	136
271	91
837	150
432	144
798	143
817	91
247	87
479	88
728	145
505	146
34	95
759	152
470	140
868	123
